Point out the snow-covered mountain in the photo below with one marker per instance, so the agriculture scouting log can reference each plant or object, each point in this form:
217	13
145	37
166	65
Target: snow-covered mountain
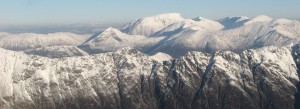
57	51
27	41
157	62
198	23
259	19
128	79
208	24
149	25
113	39
172	34
250	33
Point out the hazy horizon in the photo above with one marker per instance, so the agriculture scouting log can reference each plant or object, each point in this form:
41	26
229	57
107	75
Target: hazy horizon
45	16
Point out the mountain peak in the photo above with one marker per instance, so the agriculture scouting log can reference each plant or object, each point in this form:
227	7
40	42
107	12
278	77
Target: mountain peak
111	29
259	19
111	32
108	33
262	18
200	19
149	25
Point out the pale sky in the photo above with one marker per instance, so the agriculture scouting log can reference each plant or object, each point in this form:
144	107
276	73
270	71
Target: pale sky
65	12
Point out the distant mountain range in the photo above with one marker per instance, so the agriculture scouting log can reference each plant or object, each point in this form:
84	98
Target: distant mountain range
172	34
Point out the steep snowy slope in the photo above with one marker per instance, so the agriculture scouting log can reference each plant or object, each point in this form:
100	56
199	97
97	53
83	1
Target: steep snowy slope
57	51
286	27
182	42
198	23
208	24
113	39
175	28
149	25
254	35
129	79
26	41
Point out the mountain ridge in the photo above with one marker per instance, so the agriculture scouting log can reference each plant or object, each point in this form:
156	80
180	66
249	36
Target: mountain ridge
128	78
171	32
206	35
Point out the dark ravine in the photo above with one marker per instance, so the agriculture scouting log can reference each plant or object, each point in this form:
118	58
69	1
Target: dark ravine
265	78
296	56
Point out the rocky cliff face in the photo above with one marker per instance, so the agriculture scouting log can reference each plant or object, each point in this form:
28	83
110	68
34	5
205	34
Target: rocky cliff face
263	78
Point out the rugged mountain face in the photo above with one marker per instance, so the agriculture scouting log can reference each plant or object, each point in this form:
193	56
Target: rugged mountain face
263	78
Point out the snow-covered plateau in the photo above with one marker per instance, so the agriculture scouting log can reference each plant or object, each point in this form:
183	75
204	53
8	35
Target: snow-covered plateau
157	62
